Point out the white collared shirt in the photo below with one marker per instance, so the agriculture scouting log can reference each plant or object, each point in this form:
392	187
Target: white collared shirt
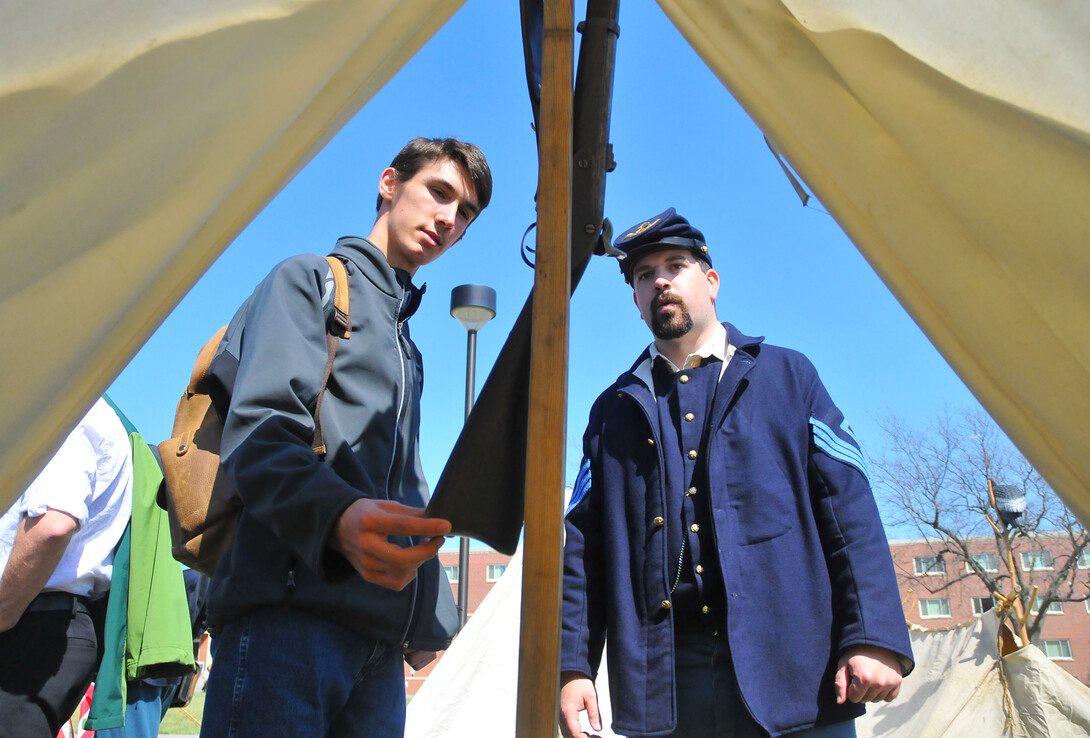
89	478
716	347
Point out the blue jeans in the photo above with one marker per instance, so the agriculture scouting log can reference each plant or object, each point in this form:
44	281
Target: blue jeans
145	706
709	704
283	672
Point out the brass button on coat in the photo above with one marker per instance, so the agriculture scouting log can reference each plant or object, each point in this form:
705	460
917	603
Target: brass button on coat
689	417
694	528
705	609
650	441
666	604
692	454
658	521
699	569
684	378
691	492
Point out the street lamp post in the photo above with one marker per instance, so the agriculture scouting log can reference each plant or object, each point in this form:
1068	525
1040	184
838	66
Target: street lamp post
473	305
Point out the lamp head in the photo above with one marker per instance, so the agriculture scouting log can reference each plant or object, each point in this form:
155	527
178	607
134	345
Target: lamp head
473	305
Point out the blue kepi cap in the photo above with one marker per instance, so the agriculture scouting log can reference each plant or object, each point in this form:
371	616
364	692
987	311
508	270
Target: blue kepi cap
667	230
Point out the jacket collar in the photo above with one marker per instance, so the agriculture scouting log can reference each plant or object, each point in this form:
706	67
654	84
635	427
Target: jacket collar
397	283
634	379
742	342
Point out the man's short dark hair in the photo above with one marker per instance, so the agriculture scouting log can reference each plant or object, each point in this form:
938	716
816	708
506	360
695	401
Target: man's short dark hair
420	152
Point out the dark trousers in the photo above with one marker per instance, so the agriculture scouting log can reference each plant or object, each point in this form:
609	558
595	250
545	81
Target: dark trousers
46	663
708	701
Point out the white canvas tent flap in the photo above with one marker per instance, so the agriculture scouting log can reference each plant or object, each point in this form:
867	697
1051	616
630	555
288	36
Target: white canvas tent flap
951	141
473	688
1049	701
138	140
956	690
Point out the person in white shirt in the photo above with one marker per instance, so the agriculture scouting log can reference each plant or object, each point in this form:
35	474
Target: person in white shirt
57	545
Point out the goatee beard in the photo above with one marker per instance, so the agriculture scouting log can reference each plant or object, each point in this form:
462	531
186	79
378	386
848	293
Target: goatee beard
668	326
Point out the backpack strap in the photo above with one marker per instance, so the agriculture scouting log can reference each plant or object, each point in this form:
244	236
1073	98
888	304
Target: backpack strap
204	361
339	326
339	318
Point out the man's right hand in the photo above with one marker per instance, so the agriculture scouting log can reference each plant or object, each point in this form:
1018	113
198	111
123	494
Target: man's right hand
362	536
577	693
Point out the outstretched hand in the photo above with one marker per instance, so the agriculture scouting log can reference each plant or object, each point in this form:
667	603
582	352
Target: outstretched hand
868	674
362	536
577	693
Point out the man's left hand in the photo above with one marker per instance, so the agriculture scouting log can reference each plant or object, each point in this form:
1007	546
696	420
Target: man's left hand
867	674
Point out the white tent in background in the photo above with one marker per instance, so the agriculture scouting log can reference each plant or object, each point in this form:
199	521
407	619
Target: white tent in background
956	690
473	688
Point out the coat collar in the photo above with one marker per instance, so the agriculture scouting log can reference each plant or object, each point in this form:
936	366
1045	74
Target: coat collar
742	342
634	380
397	283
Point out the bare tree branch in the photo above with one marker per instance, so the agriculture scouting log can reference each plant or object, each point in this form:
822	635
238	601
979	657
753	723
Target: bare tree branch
934	481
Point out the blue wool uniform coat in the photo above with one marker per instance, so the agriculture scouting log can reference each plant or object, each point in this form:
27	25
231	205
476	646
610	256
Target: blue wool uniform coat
806	568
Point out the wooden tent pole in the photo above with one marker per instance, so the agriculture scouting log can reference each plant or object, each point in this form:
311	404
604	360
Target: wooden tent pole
539	645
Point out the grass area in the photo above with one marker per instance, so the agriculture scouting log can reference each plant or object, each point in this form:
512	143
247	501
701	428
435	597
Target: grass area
178	722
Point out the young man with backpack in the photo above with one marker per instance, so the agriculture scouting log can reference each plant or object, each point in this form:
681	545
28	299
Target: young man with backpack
332	579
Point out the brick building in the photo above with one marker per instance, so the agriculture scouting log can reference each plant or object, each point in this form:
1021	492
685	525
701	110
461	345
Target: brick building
939	590
485	569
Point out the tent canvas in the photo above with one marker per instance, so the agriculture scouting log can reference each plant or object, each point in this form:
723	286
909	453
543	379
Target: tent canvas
951	143
473	688
957	690
138	140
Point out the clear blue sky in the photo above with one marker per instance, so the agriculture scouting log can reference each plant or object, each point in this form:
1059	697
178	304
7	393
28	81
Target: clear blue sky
789	273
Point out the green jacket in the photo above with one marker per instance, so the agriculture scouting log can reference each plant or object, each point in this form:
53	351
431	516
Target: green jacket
148	633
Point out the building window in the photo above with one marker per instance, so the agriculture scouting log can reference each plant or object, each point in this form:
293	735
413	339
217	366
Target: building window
937	608
1034	560
1084	558
1054	608
495	571
452	573
981	605
929	565
986	561
1058	649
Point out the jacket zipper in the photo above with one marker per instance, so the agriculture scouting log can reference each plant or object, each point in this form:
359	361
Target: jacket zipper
410	621
406	635
400	403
